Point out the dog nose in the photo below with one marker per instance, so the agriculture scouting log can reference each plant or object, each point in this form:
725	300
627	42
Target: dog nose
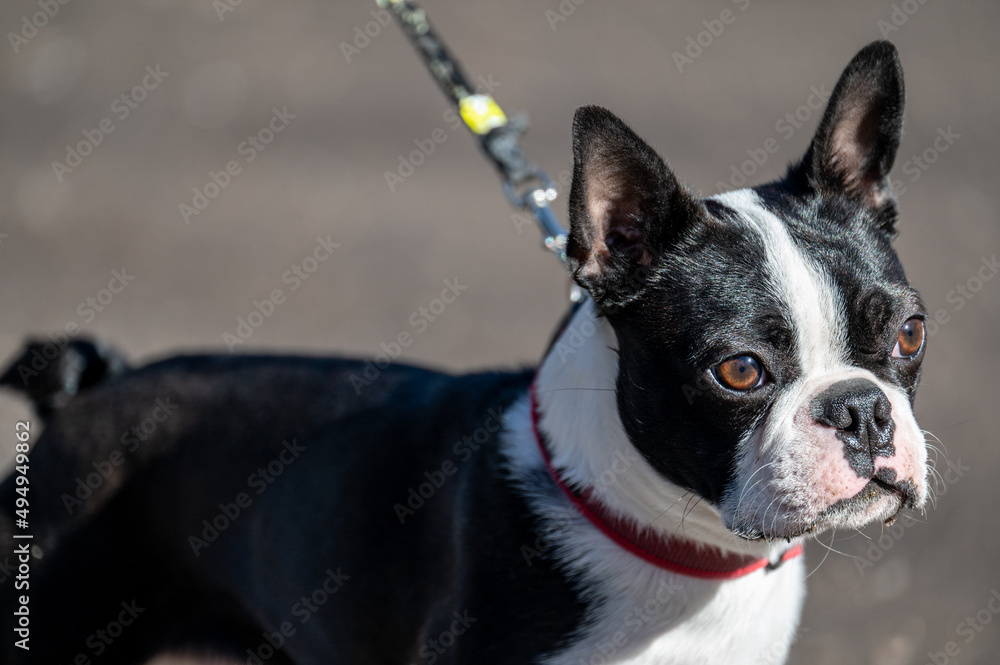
862	416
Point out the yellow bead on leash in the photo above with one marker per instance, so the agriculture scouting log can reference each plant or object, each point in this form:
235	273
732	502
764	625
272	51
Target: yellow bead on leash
481	113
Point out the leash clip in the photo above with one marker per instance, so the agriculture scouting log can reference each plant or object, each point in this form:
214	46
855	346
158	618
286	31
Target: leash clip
537	200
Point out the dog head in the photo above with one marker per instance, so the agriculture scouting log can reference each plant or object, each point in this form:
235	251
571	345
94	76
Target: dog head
769	345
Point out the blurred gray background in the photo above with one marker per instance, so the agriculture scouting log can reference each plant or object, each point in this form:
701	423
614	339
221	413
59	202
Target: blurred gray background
886	597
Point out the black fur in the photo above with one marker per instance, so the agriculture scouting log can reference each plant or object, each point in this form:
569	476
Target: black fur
681	283
333	509
51	373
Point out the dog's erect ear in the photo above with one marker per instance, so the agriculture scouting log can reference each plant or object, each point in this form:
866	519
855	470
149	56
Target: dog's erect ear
856	142
623	207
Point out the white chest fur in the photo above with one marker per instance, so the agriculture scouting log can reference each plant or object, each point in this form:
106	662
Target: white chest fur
639	613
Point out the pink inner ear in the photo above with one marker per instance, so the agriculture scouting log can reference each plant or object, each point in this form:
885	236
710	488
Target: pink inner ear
614	219
598	209
852	140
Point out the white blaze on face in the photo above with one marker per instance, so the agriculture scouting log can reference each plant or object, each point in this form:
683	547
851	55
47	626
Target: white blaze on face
813	302
791	468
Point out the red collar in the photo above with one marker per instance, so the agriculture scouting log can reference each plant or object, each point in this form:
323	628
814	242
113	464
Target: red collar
678	555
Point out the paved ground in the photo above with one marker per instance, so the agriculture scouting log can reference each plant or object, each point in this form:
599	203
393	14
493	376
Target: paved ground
348	122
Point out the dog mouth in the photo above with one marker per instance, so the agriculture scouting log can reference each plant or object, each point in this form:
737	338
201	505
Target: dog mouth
879	500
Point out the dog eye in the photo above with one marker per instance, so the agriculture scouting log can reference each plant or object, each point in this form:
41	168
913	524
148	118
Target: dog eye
911	339
740	373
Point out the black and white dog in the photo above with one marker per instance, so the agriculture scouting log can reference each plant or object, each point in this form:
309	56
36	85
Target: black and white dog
740	377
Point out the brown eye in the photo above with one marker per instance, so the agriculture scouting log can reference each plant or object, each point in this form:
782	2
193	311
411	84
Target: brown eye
740	373
911	338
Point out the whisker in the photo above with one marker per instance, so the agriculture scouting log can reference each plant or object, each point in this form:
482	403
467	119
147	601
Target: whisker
932	435
858	532
824	556
939	481
743	491
684	515
763	518
931	446
679	499
911	517
777	513
830	546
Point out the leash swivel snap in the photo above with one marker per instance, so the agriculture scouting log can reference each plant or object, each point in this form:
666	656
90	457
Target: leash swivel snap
537	200
498	136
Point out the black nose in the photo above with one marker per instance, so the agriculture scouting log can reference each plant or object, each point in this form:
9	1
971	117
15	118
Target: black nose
862	416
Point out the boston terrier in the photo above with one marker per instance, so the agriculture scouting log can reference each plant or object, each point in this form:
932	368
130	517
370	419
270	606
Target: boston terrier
739	378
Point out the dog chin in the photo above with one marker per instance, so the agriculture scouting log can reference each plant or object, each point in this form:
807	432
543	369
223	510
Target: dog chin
878	501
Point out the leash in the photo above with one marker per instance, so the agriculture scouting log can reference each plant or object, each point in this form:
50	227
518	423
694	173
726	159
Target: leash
526	186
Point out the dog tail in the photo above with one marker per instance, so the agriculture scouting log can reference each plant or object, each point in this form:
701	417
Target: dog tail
50	374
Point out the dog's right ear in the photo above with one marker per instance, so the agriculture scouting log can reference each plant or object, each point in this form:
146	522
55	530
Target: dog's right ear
624	206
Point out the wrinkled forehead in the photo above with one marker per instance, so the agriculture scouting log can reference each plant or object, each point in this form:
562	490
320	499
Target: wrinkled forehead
838	283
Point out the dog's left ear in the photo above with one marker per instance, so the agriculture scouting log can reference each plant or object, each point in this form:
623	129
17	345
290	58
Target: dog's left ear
856	142
624	206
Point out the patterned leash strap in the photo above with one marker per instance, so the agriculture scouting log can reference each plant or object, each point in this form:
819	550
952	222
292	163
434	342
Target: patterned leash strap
526	186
